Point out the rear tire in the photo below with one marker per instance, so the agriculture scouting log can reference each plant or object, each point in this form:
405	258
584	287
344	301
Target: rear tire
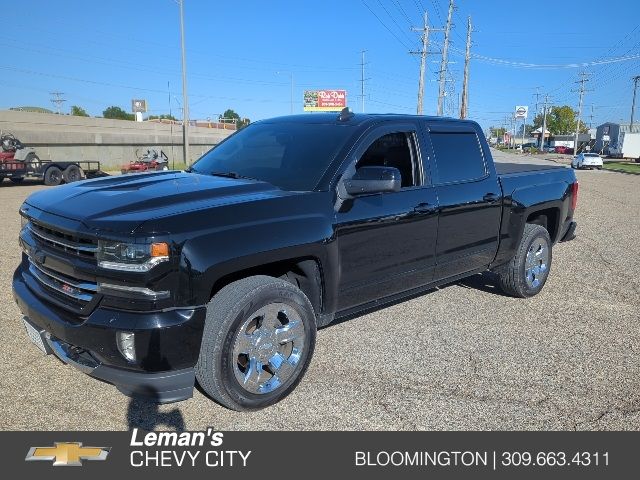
527	272
53	176
72	174
258	340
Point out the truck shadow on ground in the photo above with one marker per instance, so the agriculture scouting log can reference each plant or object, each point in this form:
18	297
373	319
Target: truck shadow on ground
485	282
146	415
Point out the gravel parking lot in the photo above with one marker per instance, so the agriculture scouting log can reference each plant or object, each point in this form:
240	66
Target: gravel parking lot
461	357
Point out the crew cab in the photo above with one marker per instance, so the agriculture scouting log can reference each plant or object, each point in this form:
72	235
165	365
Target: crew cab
222	273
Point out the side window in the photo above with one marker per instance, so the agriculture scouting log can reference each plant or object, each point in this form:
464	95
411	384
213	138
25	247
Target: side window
458	156
394	150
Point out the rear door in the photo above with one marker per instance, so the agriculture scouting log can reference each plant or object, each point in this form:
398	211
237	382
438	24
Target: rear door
469	196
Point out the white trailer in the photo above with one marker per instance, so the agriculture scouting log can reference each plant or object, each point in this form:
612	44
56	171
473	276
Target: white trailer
628	146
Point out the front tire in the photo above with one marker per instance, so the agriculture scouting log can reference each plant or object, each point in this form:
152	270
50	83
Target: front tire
527	272
258	340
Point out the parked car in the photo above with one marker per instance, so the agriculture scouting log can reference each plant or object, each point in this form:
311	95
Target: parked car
564	150
223	272
587	160
550	149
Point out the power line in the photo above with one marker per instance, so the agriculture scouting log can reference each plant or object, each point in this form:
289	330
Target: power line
394	20
402	11
385	26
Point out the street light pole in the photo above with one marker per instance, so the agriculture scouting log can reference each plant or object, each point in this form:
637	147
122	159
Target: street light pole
185	100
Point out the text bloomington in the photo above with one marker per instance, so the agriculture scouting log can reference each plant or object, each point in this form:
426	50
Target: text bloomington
422	459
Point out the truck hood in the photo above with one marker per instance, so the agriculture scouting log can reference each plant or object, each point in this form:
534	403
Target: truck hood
123	203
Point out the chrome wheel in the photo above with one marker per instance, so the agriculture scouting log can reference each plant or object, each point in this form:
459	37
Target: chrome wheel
536	265
268	347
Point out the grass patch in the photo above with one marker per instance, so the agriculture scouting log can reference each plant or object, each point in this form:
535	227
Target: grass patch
623	167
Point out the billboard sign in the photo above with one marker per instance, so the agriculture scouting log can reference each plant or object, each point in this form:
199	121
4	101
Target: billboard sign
521	111
138	105
324	100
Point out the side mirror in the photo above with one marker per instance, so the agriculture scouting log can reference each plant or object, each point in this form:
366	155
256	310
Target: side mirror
373	180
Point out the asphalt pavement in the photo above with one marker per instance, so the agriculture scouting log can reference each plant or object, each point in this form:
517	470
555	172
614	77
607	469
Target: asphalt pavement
463	357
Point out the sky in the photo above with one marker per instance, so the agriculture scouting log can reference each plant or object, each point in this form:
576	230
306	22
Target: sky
244	55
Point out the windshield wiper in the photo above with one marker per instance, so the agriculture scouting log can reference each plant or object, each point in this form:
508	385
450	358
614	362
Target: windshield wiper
231	175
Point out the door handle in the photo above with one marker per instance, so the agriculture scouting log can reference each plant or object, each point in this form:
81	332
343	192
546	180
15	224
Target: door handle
491	197
424	208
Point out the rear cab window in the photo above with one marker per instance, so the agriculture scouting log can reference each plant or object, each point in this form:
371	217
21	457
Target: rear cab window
458	155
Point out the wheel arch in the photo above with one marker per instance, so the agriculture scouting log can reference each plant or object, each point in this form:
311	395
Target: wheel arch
305	272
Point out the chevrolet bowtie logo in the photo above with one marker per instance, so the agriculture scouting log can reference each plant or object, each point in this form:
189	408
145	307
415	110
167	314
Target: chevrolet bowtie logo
67	453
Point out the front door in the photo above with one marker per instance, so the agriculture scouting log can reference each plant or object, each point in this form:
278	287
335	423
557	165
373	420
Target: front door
387	241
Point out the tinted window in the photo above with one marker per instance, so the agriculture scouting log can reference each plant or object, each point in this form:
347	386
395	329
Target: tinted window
458	156
291	156
393	150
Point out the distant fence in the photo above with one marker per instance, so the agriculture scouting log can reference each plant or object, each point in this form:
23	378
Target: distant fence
112	142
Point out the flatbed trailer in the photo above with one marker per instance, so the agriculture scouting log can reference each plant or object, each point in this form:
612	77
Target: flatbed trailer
49	171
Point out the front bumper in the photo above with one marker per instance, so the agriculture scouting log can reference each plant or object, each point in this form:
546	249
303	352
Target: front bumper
167	344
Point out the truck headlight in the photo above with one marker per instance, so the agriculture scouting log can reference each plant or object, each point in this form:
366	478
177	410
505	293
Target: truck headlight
131	257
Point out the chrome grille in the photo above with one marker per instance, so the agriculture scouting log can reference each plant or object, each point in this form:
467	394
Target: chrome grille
80	291
63	241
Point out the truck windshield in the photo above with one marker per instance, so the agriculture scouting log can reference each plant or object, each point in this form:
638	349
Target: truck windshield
291	156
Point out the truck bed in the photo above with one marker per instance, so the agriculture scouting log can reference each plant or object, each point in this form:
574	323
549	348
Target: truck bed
503	168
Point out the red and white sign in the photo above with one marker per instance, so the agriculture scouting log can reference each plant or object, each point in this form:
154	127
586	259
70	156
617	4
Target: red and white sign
325	100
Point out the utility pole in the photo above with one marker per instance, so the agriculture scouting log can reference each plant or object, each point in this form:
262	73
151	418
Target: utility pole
185	98
423	60
537	95
443	62
464	104
635	79
544	120
57	100
582	81
362	79
426	29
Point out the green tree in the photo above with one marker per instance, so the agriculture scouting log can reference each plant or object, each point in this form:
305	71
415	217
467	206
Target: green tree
117	113
560	121
164	116
231	114
497	131
78	111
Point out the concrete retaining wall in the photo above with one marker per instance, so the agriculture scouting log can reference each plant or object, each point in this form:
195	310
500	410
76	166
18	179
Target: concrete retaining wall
112	142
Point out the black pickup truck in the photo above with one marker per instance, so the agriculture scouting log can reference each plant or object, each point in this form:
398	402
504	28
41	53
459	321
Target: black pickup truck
222	273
